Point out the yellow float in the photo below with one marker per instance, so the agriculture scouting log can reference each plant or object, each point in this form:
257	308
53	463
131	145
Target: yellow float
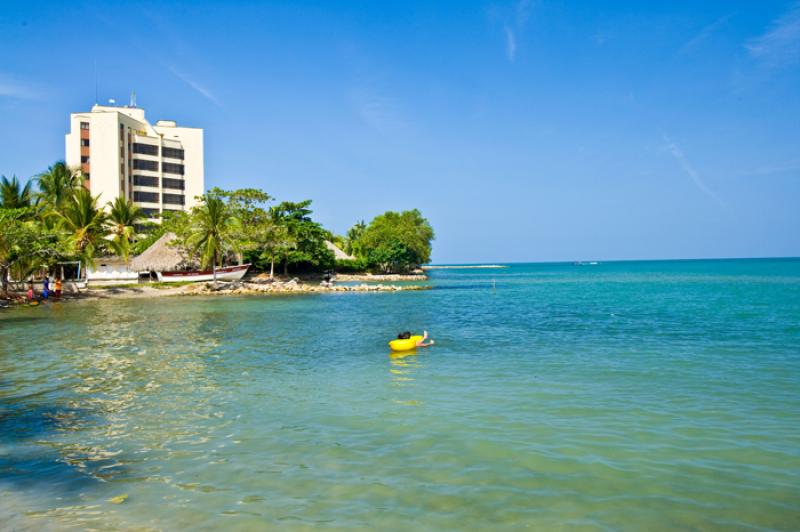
406	344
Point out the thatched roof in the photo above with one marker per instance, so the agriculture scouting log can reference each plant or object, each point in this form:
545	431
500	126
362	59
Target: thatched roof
161	257
338	253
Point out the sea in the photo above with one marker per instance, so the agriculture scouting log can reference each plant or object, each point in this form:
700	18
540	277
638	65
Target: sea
661	395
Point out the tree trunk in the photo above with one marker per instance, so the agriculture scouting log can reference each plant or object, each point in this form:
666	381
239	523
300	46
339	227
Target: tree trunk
214	269
286	267
4	276
272	268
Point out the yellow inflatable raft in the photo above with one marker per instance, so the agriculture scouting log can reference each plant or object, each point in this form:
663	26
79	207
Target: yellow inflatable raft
405	345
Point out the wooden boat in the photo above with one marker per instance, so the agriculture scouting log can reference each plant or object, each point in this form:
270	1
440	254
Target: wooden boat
228	273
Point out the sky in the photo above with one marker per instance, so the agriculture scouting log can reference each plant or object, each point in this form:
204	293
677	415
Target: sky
523	130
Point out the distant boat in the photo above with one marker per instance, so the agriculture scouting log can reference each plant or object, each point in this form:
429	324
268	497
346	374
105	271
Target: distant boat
228	273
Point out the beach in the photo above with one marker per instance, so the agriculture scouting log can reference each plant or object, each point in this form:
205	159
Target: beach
627	396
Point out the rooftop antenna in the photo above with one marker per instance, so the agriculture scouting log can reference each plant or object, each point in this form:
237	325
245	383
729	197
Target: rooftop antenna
133	99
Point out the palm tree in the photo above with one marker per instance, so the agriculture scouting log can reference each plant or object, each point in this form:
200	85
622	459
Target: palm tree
13	195
121	224
57	184
211	232
85	223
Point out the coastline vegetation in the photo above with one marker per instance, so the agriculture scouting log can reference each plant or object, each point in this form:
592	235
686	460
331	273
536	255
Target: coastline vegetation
60	221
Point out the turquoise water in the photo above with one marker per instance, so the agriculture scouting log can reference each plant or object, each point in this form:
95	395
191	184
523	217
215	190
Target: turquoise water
629	396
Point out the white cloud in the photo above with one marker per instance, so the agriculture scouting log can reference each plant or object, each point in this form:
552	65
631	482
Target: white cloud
511	43
10	88
514	21
378	112
195	85
780	46
686	166
704	34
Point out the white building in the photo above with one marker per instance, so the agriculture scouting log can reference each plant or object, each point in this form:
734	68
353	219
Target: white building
159	167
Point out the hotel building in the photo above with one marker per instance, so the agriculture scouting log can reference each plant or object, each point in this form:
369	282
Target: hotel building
158	167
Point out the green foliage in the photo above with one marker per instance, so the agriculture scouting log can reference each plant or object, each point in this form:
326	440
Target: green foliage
13	195
309	251
26	244
395	242
357	265
57	185
352	244
121	225
84	223
211	230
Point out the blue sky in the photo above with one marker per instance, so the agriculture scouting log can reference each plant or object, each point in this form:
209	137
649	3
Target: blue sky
524	130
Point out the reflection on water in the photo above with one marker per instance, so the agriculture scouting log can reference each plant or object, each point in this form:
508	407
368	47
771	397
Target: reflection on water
403	366
596	400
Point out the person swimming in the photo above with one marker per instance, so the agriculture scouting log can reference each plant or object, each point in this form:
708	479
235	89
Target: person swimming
420	343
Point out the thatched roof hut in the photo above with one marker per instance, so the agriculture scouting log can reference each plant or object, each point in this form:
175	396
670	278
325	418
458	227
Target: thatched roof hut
338	253
162	257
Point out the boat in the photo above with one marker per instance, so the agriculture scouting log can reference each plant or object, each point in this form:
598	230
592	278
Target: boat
228	273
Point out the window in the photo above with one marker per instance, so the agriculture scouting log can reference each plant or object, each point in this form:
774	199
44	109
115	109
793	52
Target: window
172	153
173	199
84	125
86	177
141	164
172	168
146	197
84	142
84	159
152	213
145	180
172	183
146	149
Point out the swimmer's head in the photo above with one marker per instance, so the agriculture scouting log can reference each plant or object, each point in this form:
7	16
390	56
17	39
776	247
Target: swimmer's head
404	335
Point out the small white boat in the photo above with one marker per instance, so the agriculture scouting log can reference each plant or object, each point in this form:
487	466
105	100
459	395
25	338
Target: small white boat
228	273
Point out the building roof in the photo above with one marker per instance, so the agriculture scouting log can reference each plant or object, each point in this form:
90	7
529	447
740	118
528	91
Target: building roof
338	253
161	257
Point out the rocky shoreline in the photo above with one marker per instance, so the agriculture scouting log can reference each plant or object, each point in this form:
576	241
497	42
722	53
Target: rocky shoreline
289	287
378	278
250	287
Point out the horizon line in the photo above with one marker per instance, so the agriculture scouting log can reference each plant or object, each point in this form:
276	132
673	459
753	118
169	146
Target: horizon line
500	263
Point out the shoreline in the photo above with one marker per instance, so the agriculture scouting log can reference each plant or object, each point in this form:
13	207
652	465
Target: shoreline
276	287
380	278
471	267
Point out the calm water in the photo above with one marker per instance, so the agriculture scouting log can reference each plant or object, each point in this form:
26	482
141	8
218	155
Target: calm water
632	396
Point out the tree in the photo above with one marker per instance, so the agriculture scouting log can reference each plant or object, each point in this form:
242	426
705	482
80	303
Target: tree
84	223
211	231
397	242
122	219
352	243
58	183
25	244
277	243
13	195
307	236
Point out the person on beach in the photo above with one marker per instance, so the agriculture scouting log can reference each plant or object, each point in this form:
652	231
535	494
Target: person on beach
46	287
58	287
30	290
420	343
